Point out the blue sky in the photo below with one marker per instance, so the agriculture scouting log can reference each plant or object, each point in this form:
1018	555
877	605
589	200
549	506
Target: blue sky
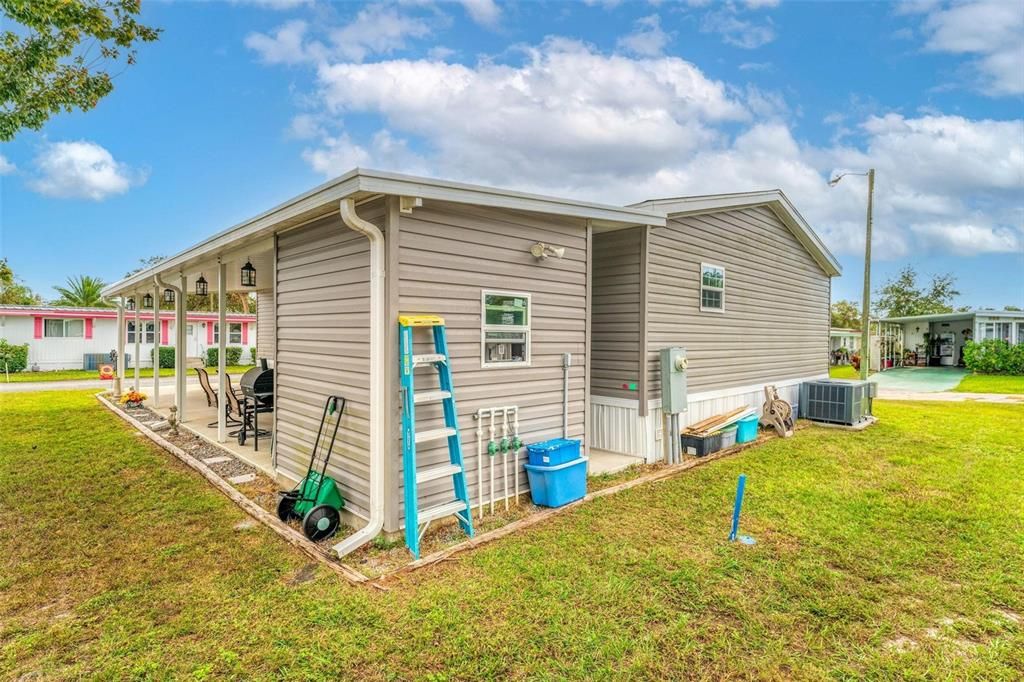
241	105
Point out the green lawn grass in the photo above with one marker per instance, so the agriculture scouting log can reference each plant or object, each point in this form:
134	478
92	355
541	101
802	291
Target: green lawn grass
893	553
85	374
991	383
843	372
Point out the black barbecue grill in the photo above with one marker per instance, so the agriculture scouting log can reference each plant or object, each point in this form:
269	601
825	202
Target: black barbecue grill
257	396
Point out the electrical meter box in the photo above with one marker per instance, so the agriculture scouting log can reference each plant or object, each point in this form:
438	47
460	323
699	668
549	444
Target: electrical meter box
673	380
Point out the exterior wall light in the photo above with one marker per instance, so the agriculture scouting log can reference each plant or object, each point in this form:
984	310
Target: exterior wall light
147	301
168	295
202	289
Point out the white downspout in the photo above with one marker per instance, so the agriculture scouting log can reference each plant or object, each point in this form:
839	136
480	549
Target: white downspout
119	369
156	343
137	301
378	399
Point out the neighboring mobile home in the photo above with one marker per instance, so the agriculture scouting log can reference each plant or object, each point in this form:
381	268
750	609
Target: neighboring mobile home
938	339
336	266
62	337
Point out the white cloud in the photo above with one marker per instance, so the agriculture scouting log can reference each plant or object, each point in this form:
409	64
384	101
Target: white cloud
736	31
484	12
286	46
375	29
647	38
761	4
6	167
570	120
82	170
756	66
990	30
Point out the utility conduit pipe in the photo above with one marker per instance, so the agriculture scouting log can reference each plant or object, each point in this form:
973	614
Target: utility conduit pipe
505	444
480	461
377	367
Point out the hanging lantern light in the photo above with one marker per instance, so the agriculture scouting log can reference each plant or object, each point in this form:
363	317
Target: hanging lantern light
168	295
248	274
201	287
129	303
147	301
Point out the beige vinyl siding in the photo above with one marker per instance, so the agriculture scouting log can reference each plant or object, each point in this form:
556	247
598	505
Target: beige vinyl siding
615	326
322	331
265	334
776	320
449	253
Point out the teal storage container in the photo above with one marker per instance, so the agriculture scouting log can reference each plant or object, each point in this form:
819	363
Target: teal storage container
746	429
552	452
558	485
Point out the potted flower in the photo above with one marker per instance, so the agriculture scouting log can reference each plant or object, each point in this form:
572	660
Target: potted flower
133	399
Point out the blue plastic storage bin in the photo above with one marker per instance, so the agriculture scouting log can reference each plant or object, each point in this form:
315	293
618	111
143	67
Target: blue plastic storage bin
552	452
558	485
746	429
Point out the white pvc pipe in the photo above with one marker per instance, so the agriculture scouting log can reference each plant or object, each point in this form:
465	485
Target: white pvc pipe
480	462
491	457
504	455
378	358
515	432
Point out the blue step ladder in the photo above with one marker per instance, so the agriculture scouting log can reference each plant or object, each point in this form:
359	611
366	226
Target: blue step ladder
413	476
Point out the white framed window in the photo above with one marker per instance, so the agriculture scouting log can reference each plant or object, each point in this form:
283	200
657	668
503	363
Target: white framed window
505	329
190	329
712	288
57	329
234	332
995	330
148	332
1020	332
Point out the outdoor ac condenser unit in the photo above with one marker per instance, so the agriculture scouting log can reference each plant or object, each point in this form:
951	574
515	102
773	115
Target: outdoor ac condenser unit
836	401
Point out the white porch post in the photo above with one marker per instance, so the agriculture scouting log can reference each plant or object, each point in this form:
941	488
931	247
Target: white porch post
119	368
138	340
156	343
181	348
222	335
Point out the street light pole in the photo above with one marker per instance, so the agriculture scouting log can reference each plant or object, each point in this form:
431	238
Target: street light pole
865	323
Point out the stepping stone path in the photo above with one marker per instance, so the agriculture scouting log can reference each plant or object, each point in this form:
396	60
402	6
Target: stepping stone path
216	460
244	478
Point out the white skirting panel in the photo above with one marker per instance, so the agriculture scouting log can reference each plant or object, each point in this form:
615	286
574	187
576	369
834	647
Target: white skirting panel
617	426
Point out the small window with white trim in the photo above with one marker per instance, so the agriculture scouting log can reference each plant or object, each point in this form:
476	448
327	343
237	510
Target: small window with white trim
234	332
148	335
712	287
64	328
505	332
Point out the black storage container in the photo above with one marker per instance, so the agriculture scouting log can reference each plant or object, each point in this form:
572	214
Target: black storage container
701	445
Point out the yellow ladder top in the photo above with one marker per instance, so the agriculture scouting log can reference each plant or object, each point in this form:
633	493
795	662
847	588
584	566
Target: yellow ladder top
421	320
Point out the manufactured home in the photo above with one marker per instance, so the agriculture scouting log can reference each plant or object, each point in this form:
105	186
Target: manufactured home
938	339
553	306
63	337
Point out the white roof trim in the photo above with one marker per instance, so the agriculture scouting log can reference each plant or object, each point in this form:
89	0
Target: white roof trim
368	182
774	199
940	317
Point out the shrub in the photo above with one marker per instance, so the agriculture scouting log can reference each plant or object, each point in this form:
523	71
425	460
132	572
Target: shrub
166	357
994	356
252	355
15	357
232	354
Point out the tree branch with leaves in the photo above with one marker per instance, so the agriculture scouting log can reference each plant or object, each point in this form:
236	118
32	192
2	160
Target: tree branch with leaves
63	56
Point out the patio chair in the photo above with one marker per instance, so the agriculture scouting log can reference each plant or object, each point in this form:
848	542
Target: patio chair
232	409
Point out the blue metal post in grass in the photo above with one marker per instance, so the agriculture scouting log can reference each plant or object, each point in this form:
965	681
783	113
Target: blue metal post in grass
741	484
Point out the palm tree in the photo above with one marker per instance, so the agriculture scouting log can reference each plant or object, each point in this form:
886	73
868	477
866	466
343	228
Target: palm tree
82	291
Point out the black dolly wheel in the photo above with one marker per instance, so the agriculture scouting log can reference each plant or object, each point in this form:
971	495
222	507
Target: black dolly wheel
286	506
321	522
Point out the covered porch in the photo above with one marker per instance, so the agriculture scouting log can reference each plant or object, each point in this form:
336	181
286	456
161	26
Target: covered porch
211	279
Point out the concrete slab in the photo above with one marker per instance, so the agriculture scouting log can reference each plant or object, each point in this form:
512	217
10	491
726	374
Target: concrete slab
918	379
605	462
216	460
244	478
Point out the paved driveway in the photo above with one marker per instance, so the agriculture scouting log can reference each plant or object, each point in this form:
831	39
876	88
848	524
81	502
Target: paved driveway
919	379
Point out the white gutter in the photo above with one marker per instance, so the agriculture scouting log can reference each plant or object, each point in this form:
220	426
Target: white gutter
377	367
